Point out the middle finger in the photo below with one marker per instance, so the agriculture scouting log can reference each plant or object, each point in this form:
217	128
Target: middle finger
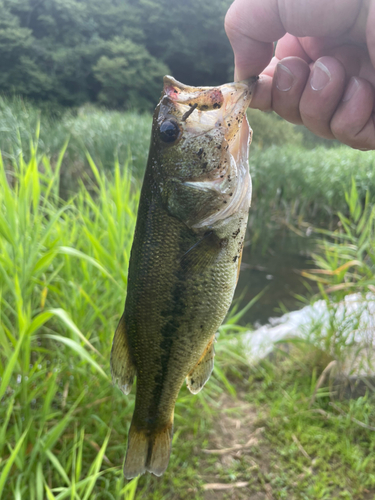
322	94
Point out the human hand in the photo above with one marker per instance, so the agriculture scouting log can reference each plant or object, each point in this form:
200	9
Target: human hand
323	72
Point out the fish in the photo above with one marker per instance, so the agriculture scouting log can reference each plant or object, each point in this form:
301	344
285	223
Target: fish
185	257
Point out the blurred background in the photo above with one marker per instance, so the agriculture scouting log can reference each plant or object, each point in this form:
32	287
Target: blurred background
79	80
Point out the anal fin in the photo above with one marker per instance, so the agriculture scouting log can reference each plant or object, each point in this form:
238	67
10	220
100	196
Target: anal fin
203	369
122	368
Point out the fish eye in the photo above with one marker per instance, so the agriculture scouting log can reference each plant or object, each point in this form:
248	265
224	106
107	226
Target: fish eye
169	131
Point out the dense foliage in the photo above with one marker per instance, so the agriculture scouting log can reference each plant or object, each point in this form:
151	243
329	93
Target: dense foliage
290	182
110	51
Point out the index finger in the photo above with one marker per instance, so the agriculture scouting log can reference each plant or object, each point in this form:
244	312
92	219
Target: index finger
253	25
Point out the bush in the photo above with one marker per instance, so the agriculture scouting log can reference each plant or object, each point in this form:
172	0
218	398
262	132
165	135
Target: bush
270	130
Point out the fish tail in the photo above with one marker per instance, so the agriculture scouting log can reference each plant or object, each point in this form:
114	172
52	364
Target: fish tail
148	451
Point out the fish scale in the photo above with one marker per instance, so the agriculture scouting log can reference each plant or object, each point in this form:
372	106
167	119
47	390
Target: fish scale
185	258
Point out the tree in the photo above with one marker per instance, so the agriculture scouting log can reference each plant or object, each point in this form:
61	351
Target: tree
125	70
114	52
189	37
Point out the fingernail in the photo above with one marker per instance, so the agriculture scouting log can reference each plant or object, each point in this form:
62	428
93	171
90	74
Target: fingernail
351	89
320	76
284	78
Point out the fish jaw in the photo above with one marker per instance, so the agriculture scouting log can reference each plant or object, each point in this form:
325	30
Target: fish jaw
214	107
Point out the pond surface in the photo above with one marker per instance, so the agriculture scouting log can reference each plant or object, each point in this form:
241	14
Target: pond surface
277	269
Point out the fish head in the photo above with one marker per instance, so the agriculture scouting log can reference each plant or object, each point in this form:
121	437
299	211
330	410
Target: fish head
201	137
195	126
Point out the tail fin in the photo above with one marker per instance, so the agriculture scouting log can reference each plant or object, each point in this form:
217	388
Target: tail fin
148	451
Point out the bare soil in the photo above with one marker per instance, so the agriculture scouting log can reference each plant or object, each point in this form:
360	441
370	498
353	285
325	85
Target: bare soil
237	437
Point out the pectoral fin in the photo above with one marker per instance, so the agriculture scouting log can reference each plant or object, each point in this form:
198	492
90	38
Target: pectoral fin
203	253
203	369
122	368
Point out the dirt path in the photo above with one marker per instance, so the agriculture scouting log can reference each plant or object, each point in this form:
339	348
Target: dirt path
237	445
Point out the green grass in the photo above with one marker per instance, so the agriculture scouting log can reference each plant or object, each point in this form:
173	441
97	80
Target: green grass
63	269
291	182
107	135
315	452
63	426
294	186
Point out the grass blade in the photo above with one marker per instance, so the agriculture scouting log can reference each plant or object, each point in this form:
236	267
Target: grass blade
10	366
11	459
60	313
79	350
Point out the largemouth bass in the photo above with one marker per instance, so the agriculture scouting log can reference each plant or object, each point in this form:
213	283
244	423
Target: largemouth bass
185	257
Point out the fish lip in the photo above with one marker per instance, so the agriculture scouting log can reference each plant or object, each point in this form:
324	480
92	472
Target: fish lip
239	140
208	100
244	91
183	94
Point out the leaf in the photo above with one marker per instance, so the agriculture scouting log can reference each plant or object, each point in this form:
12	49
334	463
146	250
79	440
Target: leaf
94	469
221	376
39	321
234	319
43	262
39	481
35	190
335	271
60	469
76	253
10	366
341	286
5	423
63	315
314	278
6	232
79	350
11	459
67	491
50	495
95	170
130	489
53	434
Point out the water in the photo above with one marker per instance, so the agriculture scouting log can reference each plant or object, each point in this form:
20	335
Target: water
277	269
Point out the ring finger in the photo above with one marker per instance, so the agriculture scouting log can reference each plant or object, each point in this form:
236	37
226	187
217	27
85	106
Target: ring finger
323	92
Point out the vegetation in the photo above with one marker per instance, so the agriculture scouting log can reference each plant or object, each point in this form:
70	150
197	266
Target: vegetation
282	190
285	194
63	271
110	52
345	258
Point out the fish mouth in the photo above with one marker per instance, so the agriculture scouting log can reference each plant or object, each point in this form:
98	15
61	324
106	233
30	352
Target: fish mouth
202	109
